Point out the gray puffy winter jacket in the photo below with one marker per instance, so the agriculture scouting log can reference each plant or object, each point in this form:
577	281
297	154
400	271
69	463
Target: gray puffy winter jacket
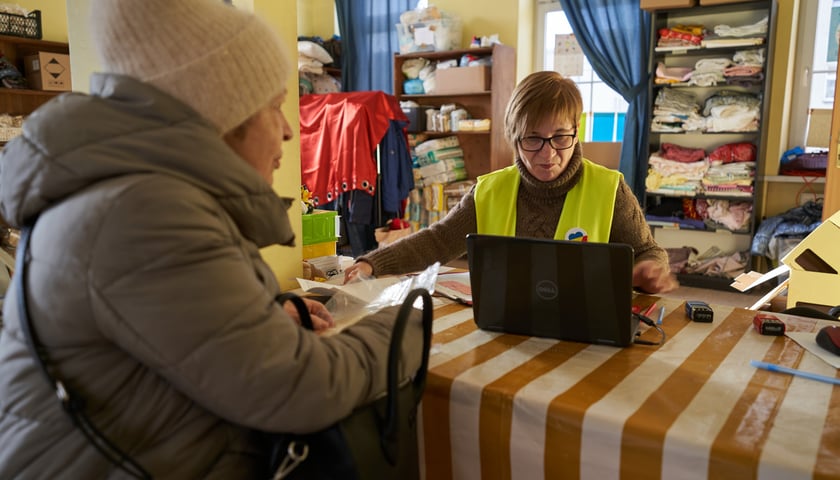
147	289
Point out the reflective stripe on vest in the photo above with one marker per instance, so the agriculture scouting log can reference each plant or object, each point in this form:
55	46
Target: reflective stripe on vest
587	212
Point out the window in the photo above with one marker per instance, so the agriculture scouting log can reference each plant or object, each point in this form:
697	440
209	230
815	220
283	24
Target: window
816	64
603	108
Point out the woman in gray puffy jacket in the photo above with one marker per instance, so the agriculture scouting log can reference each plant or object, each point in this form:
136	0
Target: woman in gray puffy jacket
145	283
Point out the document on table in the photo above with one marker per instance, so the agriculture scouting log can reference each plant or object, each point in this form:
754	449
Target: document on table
808	341
455	286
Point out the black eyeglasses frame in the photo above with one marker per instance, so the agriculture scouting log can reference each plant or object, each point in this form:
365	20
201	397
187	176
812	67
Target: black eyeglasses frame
550	141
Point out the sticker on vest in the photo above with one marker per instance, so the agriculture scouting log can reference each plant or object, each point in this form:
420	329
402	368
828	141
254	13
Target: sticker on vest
576	235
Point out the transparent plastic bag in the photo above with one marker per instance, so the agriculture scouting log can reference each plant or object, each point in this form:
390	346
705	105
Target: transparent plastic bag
350	303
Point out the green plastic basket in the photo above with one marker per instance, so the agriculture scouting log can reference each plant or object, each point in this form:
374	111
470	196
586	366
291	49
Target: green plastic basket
320	226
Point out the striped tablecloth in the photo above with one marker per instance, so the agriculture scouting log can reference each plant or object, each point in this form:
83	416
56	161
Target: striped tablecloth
508	406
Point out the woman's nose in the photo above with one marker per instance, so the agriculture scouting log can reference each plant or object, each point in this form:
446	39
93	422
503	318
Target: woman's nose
287	130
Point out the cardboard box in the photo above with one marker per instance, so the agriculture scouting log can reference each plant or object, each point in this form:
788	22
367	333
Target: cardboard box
462	80
815	267
48	71
663	4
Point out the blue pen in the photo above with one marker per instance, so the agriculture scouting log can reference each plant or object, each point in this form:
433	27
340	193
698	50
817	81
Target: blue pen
661	314
792	371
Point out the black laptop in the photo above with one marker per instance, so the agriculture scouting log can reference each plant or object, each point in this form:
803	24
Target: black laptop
578	291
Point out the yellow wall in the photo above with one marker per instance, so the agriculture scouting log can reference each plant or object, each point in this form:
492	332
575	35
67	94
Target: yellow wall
775	198
287	262
316	18
781	81
53	17
82	56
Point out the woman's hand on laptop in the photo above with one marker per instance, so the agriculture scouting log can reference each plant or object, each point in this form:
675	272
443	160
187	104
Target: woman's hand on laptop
652	277
357	271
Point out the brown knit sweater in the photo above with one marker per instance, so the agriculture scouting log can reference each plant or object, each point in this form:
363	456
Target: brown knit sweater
538	208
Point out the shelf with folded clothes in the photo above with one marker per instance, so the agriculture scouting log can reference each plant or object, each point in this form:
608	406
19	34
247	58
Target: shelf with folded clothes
693	225
745	196
688	86
707	110
706	50
421	96
680	226
705	213
706	138
701	132
433	134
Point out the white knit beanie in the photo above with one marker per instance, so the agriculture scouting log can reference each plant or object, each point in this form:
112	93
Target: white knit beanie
224	63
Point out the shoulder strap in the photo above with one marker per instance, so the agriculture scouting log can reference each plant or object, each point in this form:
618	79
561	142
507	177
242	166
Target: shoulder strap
300	305
71	403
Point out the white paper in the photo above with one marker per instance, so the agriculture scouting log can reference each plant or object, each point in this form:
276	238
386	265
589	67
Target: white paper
568	57
746	281
455	286
808	341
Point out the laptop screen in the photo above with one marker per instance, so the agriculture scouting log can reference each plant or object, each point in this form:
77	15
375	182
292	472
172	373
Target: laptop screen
579	291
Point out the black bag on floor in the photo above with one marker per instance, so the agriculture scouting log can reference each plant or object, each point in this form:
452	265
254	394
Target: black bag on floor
376	441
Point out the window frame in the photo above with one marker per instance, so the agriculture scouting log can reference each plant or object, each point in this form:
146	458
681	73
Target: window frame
809	30
587	87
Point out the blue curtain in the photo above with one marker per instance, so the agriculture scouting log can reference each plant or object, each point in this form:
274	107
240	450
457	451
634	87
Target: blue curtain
368	42
615	37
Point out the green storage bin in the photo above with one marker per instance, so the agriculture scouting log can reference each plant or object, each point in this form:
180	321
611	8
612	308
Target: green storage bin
320	226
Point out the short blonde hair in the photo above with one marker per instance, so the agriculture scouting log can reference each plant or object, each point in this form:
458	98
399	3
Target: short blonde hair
538	96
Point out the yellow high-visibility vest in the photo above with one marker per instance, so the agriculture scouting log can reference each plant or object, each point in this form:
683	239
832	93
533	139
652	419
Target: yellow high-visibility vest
587	212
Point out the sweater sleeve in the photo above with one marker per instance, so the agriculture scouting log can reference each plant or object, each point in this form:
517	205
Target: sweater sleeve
629	226
443	241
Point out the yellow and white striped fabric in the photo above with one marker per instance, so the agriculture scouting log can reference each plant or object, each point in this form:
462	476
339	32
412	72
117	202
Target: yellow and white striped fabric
513	407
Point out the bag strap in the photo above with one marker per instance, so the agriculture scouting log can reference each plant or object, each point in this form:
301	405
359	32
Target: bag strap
300	305
390	431
72	404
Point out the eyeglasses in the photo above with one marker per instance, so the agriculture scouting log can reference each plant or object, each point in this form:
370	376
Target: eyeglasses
557	142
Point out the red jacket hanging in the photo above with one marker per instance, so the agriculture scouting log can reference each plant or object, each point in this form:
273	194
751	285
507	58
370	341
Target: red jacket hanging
339	133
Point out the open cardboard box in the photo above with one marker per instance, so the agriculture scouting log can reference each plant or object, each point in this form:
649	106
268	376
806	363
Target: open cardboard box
814	267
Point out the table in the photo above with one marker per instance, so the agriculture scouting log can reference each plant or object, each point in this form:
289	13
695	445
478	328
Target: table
508	406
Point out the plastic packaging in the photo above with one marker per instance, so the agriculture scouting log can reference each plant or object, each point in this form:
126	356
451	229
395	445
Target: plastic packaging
363	296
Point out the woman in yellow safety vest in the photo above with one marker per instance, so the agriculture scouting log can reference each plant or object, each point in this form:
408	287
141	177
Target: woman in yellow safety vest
550	191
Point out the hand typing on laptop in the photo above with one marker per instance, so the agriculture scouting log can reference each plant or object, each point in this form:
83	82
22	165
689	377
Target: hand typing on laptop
652	277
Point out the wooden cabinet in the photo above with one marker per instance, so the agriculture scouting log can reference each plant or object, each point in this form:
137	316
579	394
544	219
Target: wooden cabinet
484	151
14	101
710	129
23	101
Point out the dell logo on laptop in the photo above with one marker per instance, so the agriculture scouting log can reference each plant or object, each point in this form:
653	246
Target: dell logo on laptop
547	290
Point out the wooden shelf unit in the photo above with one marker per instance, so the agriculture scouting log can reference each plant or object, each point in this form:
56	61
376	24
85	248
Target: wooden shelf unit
483	151
23	101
